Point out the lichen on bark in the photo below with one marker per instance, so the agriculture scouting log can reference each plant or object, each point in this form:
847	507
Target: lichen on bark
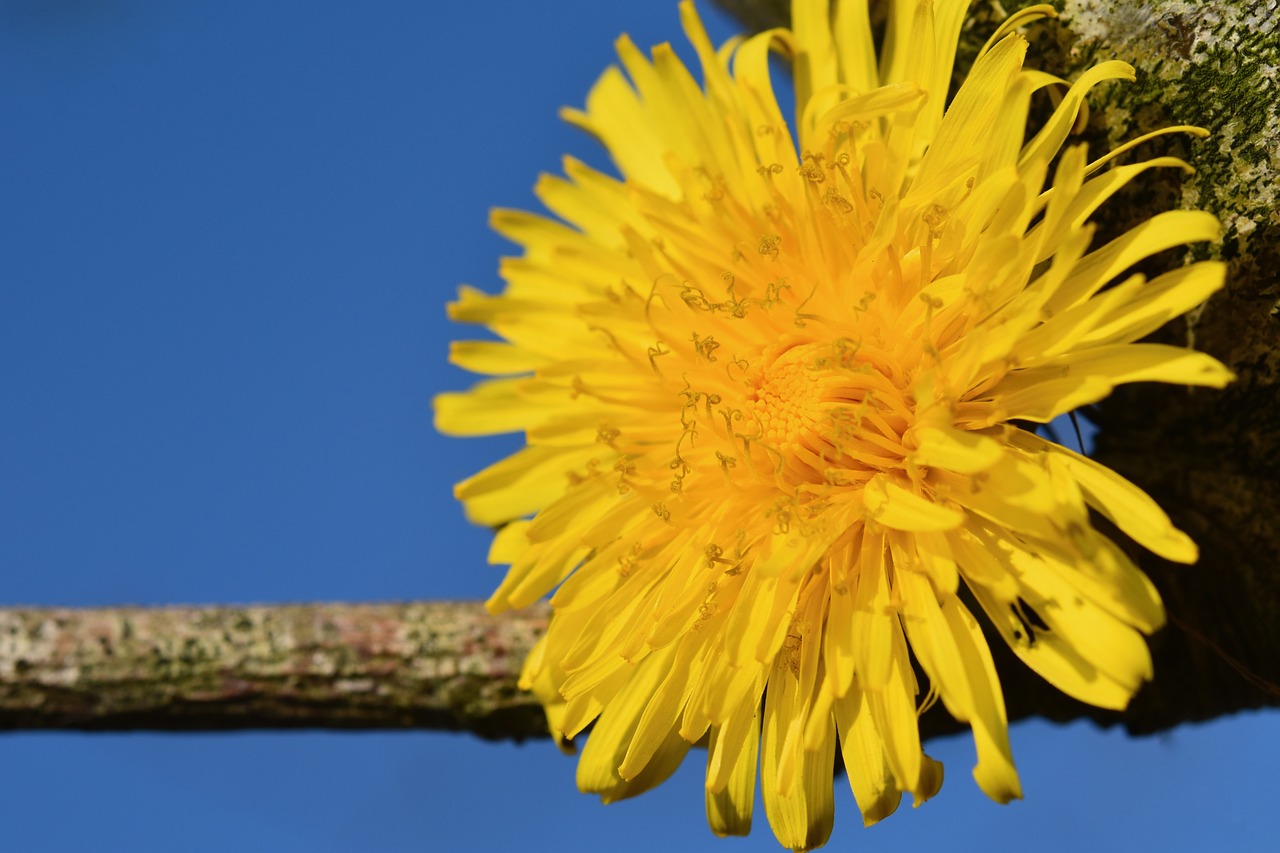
1216	65
436	665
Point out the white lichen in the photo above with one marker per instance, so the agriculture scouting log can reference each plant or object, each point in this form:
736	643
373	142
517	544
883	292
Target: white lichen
1213	64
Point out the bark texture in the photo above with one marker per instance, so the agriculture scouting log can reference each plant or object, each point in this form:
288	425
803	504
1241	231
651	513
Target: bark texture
434	665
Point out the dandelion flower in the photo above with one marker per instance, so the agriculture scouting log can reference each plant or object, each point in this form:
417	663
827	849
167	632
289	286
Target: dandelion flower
776	382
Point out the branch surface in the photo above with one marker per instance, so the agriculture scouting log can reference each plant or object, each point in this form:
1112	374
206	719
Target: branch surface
425	665
431	665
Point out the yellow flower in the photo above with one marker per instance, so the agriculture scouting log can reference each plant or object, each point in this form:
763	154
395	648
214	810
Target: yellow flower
773	383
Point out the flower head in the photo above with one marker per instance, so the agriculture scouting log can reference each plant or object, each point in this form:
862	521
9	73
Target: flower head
776	382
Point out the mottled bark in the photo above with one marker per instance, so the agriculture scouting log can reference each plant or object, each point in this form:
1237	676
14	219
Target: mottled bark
435	665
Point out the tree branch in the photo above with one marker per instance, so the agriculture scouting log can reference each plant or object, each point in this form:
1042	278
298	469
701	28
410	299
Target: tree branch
434	665
428	665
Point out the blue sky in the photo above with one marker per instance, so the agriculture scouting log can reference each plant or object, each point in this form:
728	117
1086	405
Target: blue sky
227	232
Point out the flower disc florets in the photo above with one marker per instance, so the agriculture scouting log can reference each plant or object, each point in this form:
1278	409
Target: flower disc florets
773	383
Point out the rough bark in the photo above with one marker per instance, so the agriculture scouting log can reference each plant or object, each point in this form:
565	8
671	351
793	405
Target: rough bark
434	665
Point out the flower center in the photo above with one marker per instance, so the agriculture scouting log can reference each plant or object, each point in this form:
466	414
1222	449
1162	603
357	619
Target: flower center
828	413
787	402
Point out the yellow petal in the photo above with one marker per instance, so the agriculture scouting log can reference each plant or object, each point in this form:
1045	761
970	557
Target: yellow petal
952	651
598	766
1096	635
752	74
794	550
593	210
493	357
535	231
580	506
1160	232
758	623
933	557
979	563
1017	494
838	639
510	542
870	775
1094	193
873	622
956	450
803	817
535	572
599	577
1050	138
1127	506
729	807
619	119
524	482
665	761
855	48
964	130
1110	580
1064	331
893	708
1052	657
1020	18
733	737
658	721
816	67
1197	132
490	407
1040	397
588	696
1159	301
900	509
1122	363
